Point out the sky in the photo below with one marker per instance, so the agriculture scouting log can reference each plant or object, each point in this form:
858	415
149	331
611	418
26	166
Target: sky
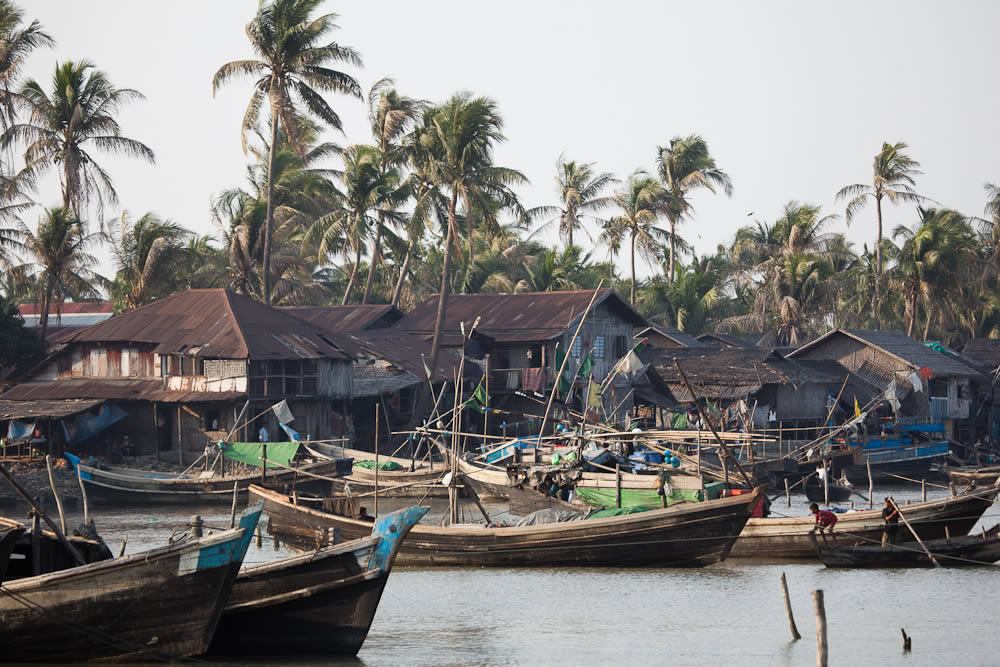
794	98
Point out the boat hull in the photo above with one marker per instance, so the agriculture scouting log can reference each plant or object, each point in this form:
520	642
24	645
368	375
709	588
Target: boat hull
686	535
159	604
958	552
790	539
321	603
131	487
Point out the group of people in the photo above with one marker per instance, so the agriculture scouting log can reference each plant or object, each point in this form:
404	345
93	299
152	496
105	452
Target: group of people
826	520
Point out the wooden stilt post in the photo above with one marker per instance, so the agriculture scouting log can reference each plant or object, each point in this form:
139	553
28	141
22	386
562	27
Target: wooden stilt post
788	603
821	645
121	549
180	446
923	490
263	462
156	432
83	494
827	471
618	485
788	497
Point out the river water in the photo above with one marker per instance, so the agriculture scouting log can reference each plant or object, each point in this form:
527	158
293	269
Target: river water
730	613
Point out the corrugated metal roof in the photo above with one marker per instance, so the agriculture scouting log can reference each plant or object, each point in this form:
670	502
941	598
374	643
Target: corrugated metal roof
345	318
107	389
89	307
521	317
730	340
214	323
676	335
714	391
53	409
984	351
901	346
406	351
375	379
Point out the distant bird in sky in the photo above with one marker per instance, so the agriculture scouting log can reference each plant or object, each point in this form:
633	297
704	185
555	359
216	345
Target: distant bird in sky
749	214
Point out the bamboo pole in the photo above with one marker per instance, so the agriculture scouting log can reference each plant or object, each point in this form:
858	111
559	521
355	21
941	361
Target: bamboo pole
827	471
821	646
788	608
914	533
868	465
562	367
788	497
83	494
618	485
55	492
232	511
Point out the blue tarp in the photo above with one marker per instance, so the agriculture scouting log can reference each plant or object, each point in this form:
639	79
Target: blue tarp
87	425
18	429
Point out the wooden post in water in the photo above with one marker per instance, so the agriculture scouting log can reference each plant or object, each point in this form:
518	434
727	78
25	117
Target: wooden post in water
377	429
788	497
121	549
788	603
907	641
263	462
36	544
821	645
232	512
196	525
868	464
180	447
827	471
55	492
923	490
618	485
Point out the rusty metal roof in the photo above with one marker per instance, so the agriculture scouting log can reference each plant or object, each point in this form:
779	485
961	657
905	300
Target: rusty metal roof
346	318
522	317
407	352
214	323
69	308
110	389
53	409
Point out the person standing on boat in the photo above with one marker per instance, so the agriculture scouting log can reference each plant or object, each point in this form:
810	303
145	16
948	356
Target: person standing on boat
262	434
890	532
824	518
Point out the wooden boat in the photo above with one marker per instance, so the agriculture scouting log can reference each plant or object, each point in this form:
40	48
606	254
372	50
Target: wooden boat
789	538
159	604
688	534
423	481
817	494
47	553
962	551
976	476
120	485
8	539
321	602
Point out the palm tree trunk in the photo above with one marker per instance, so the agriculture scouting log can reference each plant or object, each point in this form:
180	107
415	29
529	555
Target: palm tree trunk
66	177
632	246
445	283
878	262
43	315
354	274
398	292
670	273
269	222
376	249
569	235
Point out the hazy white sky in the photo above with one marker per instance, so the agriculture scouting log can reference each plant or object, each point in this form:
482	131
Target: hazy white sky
794	98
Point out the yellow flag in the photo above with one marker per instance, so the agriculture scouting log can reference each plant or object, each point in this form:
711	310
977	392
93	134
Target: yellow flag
594	398
857	410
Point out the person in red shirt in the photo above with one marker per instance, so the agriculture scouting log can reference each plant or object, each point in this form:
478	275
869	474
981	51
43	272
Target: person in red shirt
824	518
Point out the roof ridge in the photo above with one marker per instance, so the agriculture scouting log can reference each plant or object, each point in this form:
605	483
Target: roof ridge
238	326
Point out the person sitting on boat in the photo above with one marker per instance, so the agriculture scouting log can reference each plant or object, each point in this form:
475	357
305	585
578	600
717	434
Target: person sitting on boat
364	516
890	532
824	518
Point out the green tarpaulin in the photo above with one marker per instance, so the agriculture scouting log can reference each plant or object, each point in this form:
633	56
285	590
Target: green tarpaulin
249	452
633	497
384	465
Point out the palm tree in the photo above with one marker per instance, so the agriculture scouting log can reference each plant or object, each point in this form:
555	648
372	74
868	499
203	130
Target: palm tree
554	270
683	167
62	261
16	43
579	188
79	113
689	301
639	201
894	174
453	147
293	71
150	254
391	115
930	264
